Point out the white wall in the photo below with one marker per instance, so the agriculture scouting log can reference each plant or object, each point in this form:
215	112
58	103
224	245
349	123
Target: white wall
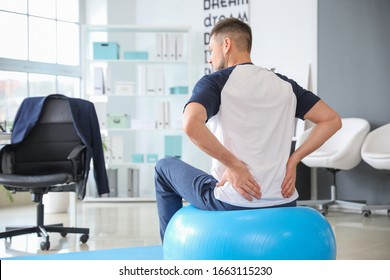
284	31
285	37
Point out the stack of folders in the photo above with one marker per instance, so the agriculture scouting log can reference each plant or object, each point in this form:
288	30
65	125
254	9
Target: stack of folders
169	46
151	80
163	115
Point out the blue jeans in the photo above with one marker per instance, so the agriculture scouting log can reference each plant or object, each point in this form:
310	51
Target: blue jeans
176	180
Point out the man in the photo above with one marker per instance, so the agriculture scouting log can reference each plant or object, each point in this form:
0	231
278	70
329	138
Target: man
251	114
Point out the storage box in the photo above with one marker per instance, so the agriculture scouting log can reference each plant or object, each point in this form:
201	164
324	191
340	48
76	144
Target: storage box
133	55
118	121
173	145
137	158
143	124
178	90
105	50
124	88
151	158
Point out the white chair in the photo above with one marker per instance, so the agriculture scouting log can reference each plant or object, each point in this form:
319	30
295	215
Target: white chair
376	152
341	152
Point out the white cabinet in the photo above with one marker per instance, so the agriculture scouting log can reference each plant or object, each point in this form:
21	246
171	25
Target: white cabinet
139	78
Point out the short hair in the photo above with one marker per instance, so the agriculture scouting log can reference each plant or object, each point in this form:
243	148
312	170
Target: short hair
240	32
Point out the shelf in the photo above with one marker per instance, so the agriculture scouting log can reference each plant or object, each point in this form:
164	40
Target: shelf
134	61
136	28
171	130
186	95
129	77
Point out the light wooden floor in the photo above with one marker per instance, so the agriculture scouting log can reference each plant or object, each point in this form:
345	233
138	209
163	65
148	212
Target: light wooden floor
118	225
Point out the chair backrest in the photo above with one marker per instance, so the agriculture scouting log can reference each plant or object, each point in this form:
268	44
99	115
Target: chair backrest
378	141
376	148
342	150
47	146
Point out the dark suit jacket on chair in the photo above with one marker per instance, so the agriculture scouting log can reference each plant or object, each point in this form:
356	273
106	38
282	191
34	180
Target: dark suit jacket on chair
87	127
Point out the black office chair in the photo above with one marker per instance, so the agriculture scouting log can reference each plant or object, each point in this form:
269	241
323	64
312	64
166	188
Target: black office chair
49	159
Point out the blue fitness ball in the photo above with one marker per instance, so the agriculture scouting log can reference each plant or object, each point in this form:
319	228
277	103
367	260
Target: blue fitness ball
286	233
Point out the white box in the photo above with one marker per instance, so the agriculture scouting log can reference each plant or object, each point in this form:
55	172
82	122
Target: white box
124	88
143	124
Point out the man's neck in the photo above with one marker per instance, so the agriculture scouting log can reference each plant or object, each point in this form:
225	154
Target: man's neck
240	58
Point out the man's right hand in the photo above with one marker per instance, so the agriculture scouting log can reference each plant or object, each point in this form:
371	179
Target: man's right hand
242	180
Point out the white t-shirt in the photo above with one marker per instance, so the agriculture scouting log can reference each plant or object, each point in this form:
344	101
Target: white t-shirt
252	112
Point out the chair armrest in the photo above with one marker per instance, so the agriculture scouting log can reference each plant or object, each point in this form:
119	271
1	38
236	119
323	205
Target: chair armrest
74	154
76	151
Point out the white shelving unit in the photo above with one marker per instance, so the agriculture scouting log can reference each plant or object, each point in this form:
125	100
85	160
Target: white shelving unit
139	101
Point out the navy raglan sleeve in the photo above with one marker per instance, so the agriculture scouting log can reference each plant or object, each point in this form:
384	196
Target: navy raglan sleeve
305	98
208	93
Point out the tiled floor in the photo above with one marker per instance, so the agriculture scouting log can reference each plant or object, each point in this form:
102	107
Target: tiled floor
116	225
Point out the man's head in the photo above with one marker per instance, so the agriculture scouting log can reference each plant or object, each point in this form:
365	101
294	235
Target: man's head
229	38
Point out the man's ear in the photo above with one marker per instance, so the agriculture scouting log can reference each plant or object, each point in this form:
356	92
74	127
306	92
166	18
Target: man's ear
226	45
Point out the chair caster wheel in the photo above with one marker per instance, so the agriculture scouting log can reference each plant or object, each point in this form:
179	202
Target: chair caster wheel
63	234
366	213
324	211
84	238
45	246
8	242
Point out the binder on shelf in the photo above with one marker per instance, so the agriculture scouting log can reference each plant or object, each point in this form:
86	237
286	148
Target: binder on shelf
101	112
108	81
179	47
154	80
167	123
163	115
114	149
98	81
132	182
171	38
159	46
142	79
159	80
117	145
112	176
160	115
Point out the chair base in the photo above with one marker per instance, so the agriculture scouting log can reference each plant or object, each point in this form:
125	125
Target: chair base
325	204
42	230
367	209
